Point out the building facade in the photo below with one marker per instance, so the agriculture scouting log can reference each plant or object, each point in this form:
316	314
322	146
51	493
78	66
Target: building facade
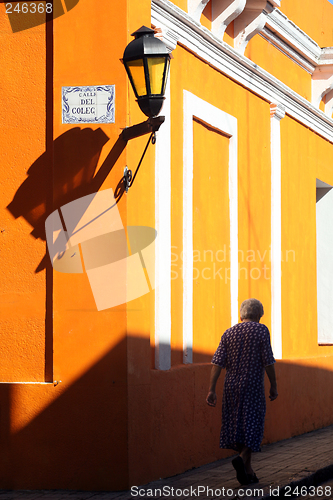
102	392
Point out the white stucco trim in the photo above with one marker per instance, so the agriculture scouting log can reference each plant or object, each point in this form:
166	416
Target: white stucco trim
194	107
324	260
277	113
298	42
168	37
250	22
224	13
297	57
252	29
196	7
322	83
56	382
231	63
163	240
329	103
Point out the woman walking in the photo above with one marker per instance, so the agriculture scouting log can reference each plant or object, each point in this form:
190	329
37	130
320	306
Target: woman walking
245	351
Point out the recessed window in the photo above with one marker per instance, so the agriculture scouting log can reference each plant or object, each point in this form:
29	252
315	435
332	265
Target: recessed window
324	215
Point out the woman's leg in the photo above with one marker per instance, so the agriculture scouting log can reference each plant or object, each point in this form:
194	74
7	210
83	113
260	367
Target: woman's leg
245	453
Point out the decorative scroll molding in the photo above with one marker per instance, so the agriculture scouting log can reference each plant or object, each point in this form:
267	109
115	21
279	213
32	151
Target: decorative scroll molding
329	104
278	111
223	13
322	83
196	7
322	80
270	23
168	37
231	63
326	56
250	22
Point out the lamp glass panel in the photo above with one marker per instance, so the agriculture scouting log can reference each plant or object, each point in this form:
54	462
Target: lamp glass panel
156	71
167	66
138	76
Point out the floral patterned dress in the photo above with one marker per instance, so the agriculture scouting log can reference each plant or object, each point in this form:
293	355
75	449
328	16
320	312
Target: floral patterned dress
245	349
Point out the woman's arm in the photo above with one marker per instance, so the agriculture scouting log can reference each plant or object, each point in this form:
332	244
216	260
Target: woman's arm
214	375
273	393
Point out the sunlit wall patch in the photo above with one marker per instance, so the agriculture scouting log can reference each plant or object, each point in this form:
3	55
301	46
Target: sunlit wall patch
87	236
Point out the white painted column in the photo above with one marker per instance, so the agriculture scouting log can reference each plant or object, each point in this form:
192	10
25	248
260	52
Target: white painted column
163	240
277	113
188	229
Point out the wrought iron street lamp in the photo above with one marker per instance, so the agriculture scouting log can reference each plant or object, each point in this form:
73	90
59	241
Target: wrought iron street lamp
147	61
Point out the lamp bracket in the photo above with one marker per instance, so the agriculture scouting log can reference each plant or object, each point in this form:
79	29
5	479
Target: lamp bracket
128	177
149	126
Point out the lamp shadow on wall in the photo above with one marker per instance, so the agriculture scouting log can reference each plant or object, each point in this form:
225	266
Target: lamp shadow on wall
123	422
65	172
75	158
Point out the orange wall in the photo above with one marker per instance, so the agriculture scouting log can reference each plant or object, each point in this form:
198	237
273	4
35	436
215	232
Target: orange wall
279	65
305	157
254	156
80	331
113	420
315	19
22	289
175	430
211	233
75	433
182	432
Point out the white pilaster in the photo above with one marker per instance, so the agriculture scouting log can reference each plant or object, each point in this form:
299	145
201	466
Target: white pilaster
163	240
277	113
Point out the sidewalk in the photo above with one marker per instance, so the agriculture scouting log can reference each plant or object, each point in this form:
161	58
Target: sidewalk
283	468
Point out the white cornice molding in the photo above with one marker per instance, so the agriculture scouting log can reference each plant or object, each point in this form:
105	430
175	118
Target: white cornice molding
322	81
326	56
288	51
228	61
299	43
276	28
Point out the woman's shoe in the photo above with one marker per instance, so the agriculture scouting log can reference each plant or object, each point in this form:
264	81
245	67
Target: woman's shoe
253	478
238	465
